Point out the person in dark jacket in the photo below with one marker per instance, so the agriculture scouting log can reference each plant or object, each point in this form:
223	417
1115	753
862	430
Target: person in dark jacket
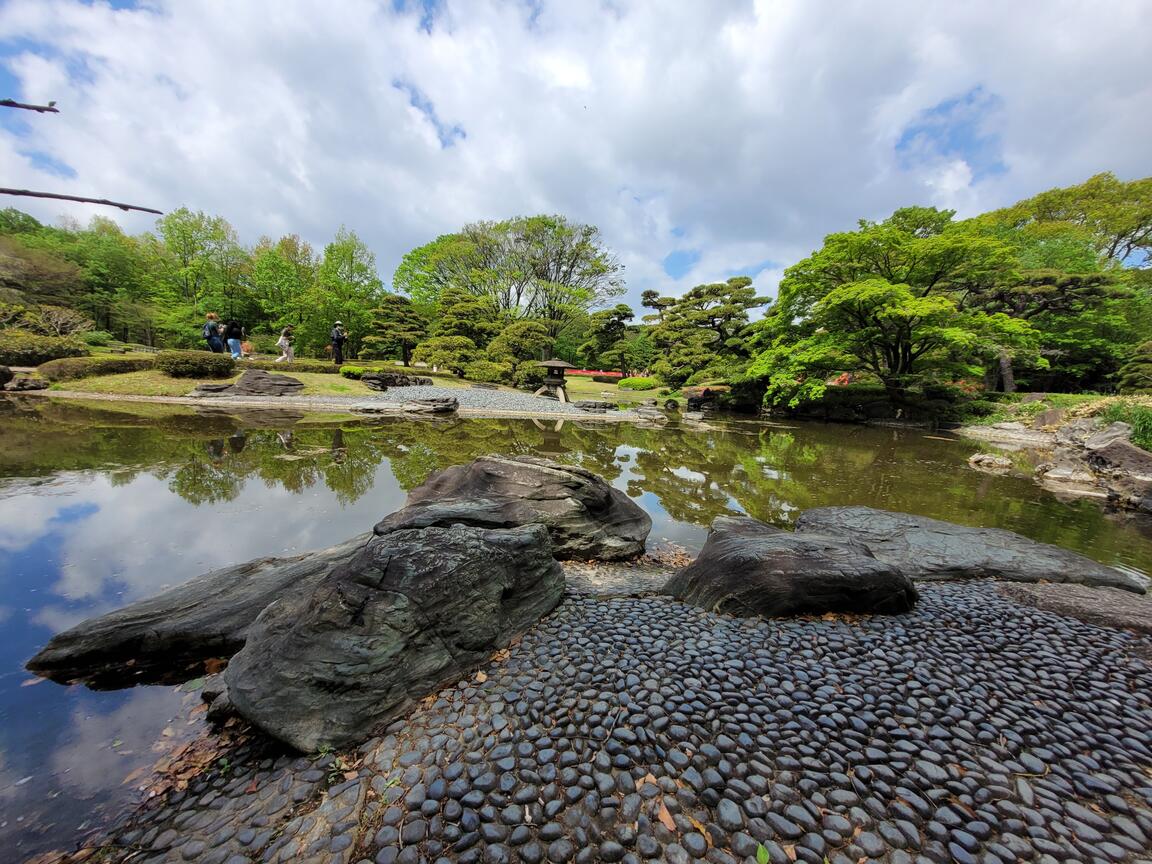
339	337
234	335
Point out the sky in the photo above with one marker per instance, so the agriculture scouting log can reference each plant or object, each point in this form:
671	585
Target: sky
704	139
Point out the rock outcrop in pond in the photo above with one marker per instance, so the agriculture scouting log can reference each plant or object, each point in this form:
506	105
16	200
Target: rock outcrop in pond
162	638
749	568
924	548
254	382
412	611
1098	461
585	517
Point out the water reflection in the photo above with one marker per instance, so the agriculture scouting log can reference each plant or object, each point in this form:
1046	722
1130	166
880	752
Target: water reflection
100	507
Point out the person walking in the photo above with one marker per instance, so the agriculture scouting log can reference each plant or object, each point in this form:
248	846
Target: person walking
234	335
211	333
284	343
339	337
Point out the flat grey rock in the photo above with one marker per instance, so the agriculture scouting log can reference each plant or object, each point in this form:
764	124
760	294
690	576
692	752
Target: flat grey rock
926	548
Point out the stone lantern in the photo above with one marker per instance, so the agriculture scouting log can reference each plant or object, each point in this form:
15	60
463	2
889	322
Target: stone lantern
554	379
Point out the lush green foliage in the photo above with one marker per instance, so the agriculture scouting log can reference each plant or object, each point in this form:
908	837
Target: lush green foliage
353	372
21	348
449	352
75	368
1136	374
638	383
318	366
195	364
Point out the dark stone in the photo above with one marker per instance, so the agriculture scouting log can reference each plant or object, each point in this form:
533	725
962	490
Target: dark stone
254	382
381	381
23	384
431	405
412	611
585	517
749	568
165	635
594	406
924	548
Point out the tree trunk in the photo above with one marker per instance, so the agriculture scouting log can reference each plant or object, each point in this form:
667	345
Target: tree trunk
1006	374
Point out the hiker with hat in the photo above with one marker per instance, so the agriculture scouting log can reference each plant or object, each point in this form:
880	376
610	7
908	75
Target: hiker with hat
339	337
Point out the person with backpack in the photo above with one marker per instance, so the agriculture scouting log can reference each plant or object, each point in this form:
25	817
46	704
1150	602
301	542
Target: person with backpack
234	335
211	333
339	337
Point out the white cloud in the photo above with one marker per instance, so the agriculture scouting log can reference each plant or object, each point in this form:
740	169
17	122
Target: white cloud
744	130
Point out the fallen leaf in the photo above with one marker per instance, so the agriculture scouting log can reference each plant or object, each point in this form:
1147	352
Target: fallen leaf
665	817
790	851
214	664
481	677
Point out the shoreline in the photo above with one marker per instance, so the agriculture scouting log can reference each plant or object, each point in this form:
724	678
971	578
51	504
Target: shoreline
329	404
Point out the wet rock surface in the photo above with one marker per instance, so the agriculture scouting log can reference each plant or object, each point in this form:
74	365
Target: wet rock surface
159	639
1107	607
22	384
990	463
646	730
585	517
924	548
412	611
749	568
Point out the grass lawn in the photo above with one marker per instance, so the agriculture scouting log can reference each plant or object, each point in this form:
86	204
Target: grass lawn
155	383
581	387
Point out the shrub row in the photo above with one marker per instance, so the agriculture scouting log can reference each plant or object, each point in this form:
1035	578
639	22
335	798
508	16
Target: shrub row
298	365
353	372
20	348
195	364
75	368
638	383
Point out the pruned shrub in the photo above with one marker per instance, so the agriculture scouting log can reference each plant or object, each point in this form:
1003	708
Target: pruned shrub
488	372
605	379
638	383
99	338
195	364
75	368
21	348
353	372
297	365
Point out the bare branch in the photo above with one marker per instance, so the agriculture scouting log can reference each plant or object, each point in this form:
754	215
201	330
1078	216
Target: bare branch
29	194
50	108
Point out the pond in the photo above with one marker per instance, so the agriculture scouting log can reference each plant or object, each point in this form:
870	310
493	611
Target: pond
102	507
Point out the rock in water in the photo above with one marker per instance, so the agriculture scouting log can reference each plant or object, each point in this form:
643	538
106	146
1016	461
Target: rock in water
585	517
254	382
432	405
749	568
414	610
23	384
926	548
6	375
158	639
990	463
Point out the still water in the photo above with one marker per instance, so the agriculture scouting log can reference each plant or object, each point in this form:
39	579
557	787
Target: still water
100	507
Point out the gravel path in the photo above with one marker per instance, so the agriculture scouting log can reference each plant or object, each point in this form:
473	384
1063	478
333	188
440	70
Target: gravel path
495	400
626	729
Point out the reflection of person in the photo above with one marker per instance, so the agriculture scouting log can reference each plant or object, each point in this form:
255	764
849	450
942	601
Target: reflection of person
234	334
284	343
339	337
211	333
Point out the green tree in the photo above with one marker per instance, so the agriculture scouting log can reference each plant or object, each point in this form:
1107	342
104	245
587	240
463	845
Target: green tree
397	328
447	352
459	313
347	289
1136	374
606	345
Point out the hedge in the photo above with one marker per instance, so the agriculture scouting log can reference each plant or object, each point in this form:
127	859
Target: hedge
353	372
638	383
74	368
20	348
298	365
195	364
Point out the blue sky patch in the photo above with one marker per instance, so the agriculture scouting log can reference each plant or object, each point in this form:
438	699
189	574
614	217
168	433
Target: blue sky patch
428	10
955	128
448	135
678	263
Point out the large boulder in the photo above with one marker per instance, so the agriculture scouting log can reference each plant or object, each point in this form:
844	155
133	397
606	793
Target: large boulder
749	568
432	405
926	548
254	382
383	380
165	638
413	611
24	384
585	517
